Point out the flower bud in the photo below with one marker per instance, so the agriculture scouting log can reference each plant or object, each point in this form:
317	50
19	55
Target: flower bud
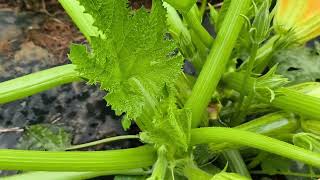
261	23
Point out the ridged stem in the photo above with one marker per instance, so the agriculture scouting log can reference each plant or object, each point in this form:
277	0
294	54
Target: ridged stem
274	125
145	156
192	172
112	160
265	143
236	162
218	57
285	98
37	82
83	21
193	21
71	175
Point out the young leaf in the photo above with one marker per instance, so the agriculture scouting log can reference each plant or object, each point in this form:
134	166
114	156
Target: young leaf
45	137
171	127
134	60
271	80
261	23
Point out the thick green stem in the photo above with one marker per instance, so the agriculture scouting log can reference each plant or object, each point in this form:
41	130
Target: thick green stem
190	45
287	99
192	172
102	141
248	73
37	82
257	160
265	143
228	176
242	108
144	156
71	175
293	101
82	20
161	165
179	32
215	64
274	125
193	21
77	161
265	54
235	162
203	7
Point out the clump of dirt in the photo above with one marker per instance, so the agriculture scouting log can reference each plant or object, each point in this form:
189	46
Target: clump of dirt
137	4
49	27
55	35
28	50
5	47
48	7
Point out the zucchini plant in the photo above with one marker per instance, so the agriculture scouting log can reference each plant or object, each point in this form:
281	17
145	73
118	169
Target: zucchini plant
137	57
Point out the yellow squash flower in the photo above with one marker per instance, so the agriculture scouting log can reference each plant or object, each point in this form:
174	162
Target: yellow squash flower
300	16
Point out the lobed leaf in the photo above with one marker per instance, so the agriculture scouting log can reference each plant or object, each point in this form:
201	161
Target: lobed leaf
134	60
